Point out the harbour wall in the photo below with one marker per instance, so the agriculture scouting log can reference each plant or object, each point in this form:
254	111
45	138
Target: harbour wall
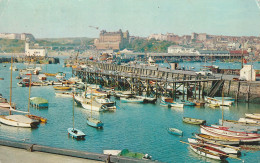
68	152
48	60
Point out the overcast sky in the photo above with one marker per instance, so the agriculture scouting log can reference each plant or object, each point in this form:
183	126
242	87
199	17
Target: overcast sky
72	18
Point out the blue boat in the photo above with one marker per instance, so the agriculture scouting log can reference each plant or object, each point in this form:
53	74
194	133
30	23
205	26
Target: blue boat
93	122
175	131
75	133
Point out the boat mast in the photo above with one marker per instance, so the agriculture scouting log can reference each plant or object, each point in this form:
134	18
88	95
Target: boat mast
11	86
91	104
73	111
222	105
29	94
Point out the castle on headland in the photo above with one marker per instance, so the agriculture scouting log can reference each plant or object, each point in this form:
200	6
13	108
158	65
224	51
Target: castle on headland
112	40
37	52
17	36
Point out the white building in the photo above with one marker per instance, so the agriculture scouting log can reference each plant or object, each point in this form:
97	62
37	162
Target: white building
182	50
34	52
248	73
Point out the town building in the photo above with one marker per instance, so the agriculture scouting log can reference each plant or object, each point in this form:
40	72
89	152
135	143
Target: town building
112	40
248	73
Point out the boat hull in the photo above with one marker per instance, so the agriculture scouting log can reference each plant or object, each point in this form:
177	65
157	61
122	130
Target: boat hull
11	122
75	133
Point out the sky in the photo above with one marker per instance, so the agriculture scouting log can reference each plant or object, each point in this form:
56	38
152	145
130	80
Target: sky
73	18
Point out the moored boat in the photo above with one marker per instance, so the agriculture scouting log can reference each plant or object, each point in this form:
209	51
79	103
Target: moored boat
219	140
94	122
168	102
249	120
62	88
64	94
208	151
18	121
227	149
194	121
131	99
76	133
127	153
175	131
37	118
253	116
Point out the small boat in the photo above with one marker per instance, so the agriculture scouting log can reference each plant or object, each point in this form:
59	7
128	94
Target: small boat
18	121
50	74
218	101
253	116
18	77
4	65
186	103
168	102
147	99
131	99
64	94
94	122
127	153
42	77
208	151
75	133
194	121
175	131
37	118
233	123
111	105
123	94
61	88
2	79
249	120
218	140
39	102
60	75
227	149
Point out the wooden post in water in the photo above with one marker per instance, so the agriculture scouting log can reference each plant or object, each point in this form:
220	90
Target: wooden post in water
199	89
11	86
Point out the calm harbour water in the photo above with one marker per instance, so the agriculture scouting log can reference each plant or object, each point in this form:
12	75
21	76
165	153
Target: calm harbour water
137	127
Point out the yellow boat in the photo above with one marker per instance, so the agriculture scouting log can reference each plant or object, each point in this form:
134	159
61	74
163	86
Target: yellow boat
50	74
38	118
62	88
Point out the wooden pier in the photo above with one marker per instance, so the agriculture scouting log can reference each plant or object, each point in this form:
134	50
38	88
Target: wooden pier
151	81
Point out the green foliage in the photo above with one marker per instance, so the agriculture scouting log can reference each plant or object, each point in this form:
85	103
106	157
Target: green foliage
11	46
152	45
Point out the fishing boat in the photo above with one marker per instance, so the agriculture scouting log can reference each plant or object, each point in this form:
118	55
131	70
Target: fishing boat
175	131
208	151
127	153
168	102
239	129
111	105
73	132
194	121
39	102
132	99
64	94
227	149
218	140
62	88
253	116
